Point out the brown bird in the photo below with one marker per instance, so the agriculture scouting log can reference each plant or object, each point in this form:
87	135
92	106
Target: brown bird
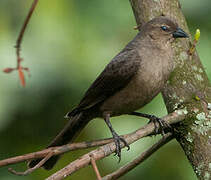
131	80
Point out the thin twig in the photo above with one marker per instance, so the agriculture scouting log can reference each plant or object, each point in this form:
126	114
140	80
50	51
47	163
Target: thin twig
21	34
30	170
143	156
94	165
19	41
110	148
20	68
57	150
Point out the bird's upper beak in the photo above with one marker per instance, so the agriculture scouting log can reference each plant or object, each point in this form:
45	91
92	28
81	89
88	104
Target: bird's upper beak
179	33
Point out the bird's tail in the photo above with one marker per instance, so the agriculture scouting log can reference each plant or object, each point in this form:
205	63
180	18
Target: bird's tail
76	123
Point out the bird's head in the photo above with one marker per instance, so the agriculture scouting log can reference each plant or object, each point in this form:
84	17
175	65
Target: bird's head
164	29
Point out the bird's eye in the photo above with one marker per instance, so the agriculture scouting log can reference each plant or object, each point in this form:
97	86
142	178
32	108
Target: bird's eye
164	28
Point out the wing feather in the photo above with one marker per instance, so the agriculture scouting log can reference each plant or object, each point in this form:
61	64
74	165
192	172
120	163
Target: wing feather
116	75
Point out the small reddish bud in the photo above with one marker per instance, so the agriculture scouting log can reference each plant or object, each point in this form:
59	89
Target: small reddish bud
8	70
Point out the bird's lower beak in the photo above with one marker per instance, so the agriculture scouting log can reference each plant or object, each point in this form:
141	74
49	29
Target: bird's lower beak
179	33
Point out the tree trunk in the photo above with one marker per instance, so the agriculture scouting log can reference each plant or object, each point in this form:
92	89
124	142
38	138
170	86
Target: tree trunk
188	88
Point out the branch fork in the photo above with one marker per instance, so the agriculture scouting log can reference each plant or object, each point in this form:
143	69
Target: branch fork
106	148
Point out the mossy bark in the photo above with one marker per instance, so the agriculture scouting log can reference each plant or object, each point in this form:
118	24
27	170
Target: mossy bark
188	88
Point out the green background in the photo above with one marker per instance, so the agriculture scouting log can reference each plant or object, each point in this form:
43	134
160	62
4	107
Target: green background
66	45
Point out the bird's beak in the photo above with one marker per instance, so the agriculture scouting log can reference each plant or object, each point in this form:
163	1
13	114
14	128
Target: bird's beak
179	33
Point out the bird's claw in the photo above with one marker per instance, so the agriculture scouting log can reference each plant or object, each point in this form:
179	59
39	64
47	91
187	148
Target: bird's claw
117	141
162	124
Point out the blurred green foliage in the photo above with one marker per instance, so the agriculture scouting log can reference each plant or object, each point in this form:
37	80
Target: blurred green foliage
66	46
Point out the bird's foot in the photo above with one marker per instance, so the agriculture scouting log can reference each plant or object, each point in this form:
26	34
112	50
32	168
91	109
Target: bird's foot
162	124
117	141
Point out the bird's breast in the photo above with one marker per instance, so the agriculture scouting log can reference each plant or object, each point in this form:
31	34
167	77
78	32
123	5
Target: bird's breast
153	72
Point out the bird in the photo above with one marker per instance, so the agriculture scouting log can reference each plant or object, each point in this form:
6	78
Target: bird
130	81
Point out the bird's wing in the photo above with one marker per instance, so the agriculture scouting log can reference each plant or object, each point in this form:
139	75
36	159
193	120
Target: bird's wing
116	75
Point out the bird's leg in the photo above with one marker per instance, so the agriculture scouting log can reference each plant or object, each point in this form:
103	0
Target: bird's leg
154	119
116	137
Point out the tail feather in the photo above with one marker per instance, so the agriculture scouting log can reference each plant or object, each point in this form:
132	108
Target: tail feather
67	135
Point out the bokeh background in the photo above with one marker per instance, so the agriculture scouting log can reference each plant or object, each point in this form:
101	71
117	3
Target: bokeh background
66	45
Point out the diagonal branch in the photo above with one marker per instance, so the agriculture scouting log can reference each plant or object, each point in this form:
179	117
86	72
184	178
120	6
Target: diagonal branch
21	34
143	156
108	149
19	41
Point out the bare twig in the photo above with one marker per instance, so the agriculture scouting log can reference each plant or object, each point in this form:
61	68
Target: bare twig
30	170
21	34
55	150
94	165
108	149
143	156
19	68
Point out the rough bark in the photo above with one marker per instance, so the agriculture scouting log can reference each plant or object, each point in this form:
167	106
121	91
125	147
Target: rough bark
188	88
